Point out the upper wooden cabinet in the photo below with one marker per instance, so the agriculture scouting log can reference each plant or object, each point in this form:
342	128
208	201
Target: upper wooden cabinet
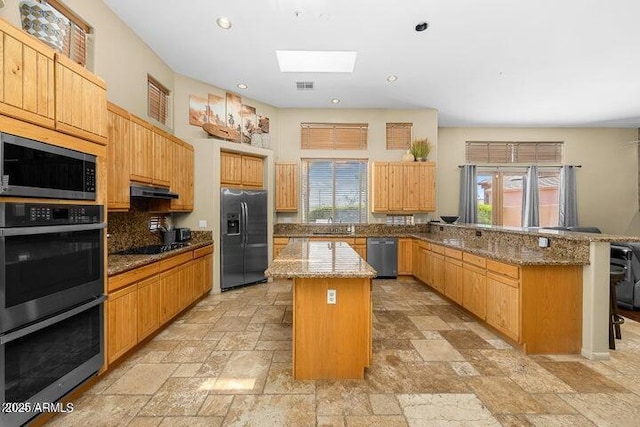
241	170
118	163
141	151
182	175
402	187
286	187
162	150
26	77
81	101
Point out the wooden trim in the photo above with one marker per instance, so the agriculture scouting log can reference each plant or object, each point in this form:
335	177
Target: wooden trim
200	252
115	109
64	10
79	69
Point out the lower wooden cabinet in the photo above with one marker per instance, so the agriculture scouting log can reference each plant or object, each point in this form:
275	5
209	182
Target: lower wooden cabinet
503	312
279	243
360	246
453	275
474	291
436	262
405	256
148	297
122	330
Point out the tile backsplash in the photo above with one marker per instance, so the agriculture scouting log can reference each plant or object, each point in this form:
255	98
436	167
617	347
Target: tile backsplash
129	229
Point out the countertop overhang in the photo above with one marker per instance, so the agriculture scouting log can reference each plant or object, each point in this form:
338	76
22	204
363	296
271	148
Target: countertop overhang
303	258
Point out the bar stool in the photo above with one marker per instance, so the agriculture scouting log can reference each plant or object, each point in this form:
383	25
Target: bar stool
616	274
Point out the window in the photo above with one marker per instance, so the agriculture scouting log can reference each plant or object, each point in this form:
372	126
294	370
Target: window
158	100
334	136
334	191
75	42
500	185
399	136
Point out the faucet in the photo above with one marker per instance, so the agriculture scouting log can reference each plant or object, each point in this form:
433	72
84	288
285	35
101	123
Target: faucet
330	220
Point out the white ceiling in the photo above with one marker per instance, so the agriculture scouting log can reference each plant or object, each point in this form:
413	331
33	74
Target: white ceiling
480	62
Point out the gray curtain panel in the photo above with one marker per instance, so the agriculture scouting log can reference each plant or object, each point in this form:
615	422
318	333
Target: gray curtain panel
467	209
568	203
530	198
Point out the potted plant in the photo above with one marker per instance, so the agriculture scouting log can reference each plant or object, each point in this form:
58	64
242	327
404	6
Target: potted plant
420	148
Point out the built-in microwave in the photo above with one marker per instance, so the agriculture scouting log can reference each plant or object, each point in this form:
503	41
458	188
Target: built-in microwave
30	168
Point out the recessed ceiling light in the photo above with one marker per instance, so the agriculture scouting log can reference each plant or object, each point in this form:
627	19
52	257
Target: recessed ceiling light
335	101
422	26
223	23
392	78
310	61
242	86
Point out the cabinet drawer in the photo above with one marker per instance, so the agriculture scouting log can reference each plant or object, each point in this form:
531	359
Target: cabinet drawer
502	268
280	240
424	245
453	253
200	252
174	261
514	283
129	277
437	249
453	261
474	259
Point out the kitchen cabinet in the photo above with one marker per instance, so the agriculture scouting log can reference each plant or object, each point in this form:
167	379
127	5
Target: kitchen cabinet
435	277
203	259
182	176
27	84
422	262
230	168
405	256
286	186
453	275
503	308
141	151
122	331
148	294
80	101
162	158
118	159
279	243
360	246
252	171
402	187
474	292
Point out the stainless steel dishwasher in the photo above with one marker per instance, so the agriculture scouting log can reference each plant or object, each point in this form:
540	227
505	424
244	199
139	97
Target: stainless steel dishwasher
382	255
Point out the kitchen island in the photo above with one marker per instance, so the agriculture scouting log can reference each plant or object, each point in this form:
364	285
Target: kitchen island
332	308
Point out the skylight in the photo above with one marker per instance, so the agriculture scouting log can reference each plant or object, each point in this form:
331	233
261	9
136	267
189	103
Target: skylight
308	61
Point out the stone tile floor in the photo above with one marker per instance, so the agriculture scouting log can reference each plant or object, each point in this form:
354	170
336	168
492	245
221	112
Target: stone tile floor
227	362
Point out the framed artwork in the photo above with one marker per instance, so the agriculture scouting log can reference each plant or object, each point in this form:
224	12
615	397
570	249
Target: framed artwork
263	131
216	110
249	125
234	116
198	110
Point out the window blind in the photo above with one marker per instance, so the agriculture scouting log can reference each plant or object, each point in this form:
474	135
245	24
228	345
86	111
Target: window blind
75	42
399	136
334	136
334	191
158	100
513	152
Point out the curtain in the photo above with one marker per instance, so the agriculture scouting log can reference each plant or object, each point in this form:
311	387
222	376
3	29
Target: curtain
468	206
568	204
530	198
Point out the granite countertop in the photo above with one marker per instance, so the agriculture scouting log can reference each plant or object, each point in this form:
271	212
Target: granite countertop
117	264
315	259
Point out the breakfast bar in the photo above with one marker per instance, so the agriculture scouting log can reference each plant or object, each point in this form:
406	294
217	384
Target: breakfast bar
332	308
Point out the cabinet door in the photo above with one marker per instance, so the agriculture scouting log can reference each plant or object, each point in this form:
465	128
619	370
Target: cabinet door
169	294
148	306
405	255
141	151
122	330
396	187
230	168
474	297
118	159
503	309
26	77
252	171
81	101
412	186
453	279
162	150
187	173
437	272
427	187
286	187
380	191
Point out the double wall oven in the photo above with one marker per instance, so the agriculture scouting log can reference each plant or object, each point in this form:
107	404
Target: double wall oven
51	277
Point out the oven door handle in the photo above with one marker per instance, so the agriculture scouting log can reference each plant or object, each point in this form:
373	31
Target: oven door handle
25	231
11	336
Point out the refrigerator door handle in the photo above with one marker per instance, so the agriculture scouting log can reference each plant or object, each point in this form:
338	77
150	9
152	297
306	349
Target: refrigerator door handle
245	223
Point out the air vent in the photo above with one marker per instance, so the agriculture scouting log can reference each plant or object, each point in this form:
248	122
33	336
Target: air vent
304	85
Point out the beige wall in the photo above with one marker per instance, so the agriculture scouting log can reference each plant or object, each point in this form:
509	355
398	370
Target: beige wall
606	183
425	124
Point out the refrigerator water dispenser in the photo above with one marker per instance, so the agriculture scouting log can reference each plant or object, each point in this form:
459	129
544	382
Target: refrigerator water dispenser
233	224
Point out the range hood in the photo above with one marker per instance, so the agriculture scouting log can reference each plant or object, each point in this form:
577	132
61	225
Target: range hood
145	192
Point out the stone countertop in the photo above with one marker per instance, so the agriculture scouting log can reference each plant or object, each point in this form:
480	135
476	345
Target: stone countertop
117	264
318	258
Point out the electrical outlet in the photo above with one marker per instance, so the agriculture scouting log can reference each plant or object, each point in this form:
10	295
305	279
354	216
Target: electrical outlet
202	223
331	296
543	242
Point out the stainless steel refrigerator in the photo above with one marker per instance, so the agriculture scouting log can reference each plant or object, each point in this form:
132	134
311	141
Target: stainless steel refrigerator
243	225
